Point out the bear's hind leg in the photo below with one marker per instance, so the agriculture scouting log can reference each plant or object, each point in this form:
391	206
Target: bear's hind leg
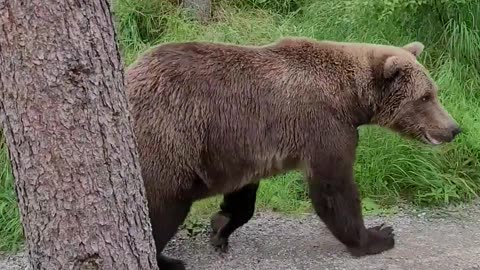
166	217
237	209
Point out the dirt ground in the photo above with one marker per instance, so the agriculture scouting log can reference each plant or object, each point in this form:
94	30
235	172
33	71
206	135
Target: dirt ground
440	240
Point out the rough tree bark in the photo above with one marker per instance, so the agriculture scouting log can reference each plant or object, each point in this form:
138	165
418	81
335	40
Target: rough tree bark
201	8
64	113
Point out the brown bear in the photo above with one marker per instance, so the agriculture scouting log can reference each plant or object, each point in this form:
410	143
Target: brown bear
214	118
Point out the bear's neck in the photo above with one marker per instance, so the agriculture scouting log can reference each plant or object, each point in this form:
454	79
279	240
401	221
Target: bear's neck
359	100
362	116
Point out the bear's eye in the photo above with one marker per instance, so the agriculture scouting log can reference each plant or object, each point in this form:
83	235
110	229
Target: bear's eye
426	97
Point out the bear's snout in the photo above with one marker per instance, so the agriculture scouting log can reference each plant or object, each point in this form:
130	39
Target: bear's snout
455	130
442	135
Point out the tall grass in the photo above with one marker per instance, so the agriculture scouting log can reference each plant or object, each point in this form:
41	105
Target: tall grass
11	234
389	169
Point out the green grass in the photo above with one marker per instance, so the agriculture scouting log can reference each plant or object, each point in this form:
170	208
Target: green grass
11	234
389	169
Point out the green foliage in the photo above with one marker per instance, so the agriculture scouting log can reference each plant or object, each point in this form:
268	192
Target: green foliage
11	233
195	226
389	169
449	24
383	9
278	6
285	193
140	24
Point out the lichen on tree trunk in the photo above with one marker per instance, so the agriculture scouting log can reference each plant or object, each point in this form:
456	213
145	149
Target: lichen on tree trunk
64	113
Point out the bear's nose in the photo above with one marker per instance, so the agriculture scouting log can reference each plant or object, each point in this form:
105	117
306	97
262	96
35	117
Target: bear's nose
456	131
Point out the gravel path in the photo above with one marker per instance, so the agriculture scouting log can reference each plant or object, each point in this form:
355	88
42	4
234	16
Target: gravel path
270	241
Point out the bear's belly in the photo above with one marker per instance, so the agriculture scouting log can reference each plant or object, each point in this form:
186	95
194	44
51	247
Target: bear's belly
225	179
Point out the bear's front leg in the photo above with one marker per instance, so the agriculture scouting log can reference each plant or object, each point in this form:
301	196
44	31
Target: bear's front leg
336	200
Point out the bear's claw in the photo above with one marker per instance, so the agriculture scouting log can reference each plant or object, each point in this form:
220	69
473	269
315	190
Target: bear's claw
380	239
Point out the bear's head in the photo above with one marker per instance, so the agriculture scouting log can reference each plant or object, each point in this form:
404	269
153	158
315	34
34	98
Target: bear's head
408	101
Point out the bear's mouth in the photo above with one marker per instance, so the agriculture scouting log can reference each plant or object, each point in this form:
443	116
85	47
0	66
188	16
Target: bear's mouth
430	140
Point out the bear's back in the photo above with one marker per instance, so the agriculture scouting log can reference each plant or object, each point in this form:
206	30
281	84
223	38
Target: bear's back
196	82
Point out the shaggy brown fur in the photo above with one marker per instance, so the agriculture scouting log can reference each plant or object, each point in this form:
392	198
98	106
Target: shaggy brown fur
216	118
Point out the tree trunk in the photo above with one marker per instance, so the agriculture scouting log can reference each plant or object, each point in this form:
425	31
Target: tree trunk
201	8
64	113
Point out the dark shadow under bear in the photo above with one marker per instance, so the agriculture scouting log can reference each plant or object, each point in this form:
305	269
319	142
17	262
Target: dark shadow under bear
217	118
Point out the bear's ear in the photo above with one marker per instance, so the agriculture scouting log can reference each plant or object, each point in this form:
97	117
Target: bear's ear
391	67
415	48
